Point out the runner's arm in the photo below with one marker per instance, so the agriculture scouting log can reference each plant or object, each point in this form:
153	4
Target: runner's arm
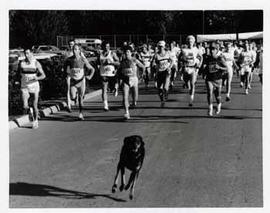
224	66
40	71
116	60
90	67
140	65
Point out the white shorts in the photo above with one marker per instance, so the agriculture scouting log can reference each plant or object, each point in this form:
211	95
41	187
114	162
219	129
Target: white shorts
31	88
189	70
133	81
245	69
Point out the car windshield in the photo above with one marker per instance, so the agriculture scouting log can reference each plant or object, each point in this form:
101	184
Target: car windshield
44	48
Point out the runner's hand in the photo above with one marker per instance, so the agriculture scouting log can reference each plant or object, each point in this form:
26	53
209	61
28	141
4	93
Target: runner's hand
88	77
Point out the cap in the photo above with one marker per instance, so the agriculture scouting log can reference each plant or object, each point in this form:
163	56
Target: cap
161	43
97	41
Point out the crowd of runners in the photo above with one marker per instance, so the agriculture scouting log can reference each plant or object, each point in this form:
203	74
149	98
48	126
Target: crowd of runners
216	62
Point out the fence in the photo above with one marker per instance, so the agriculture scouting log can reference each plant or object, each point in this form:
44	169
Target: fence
116	40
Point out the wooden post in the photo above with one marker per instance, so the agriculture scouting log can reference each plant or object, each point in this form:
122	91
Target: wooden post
114	41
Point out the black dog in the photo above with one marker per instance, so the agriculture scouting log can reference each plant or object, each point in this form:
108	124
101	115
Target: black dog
131	157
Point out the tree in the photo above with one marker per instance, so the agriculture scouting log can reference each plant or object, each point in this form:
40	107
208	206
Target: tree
36	27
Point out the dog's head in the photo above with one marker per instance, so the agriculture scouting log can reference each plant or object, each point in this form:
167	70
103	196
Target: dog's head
133	143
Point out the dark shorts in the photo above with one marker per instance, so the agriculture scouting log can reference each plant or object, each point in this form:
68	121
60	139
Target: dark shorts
77	83
215	83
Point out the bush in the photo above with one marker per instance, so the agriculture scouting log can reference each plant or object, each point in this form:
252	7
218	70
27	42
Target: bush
52	87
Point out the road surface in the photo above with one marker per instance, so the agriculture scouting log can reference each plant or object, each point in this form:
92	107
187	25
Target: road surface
192	160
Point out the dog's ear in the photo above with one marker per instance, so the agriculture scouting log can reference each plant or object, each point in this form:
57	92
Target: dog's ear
126	139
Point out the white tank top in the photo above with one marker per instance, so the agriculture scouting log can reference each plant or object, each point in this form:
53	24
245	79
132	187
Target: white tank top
28	72
146	58
246	57
163	62
189	56
107	70
174	53
229	57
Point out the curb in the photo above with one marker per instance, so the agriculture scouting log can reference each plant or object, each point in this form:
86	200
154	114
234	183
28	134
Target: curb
21	121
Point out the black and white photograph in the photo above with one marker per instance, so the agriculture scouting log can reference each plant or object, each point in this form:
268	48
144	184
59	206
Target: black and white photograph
135	108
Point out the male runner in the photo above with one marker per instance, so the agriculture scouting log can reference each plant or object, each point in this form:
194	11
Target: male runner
229	58
215	67
246	63
31	72
108	60
174	53
162	62
190	60
146	57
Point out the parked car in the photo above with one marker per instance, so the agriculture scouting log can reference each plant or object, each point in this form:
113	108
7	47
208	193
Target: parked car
47	49
14	56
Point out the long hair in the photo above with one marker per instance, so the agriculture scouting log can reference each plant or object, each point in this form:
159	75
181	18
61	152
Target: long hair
77	45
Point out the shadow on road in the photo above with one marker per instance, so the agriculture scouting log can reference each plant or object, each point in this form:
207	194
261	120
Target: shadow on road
27	189
144	118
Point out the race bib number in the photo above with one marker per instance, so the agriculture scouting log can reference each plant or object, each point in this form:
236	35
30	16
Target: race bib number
108	71
247	60
76	70
212	68
189	70
27	79
163	65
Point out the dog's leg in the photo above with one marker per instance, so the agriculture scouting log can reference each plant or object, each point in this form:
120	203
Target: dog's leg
122	179
131	177
131	194
114	187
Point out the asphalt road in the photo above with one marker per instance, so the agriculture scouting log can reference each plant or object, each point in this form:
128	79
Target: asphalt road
192	160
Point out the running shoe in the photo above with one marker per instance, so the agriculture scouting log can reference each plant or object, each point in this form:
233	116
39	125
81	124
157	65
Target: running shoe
249	87
228	98
241	84
133	105
69	109
31	114
218	108
35	124
246	91
210	111
162	104
106	106
81	117
115	92
127	116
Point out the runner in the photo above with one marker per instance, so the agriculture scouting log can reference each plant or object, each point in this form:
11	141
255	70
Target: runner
229	58
68	54
246	63
128	74
31	72
259	65
253	50
174	53
162	62
76	73
190	60
215	67
146	58
108	60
